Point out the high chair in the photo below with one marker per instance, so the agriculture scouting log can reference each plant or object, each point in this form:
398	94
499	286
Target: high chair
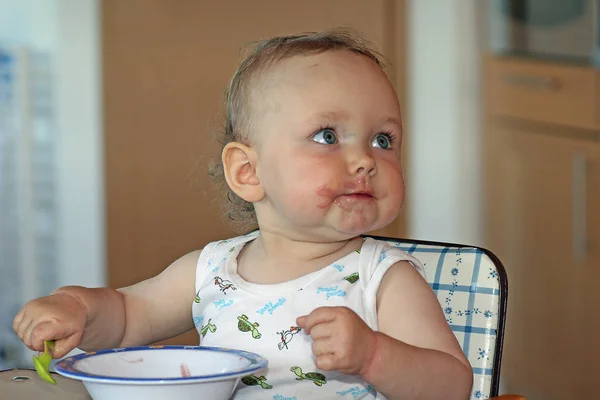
472	288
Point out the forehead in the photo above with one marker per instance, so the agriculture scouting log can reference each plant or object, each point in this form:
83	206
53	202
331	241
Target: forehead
314	68
325	82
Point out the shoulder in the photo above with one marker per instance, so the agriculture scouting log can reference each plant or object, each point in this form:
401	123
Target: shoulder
229	243
404	292
183	268
402	276
403	283
392	256
201	257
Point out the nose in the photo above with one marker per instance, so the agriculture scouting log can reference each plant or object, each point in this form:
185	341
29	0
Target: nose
362	163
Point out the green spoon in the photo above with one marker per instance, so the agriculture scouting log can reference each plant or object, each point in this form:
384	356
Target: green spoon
42	362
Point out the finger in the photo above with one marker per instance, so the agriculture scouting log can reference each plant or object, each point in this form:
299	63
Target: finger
322	347
25	331
326	362
319	316
20	324
37	335
301	321
64	346
48	331
322	331
17	321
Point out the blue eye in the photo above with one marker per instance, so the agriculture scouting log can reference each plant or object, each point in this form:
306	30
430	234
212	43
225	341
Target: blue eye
325	136
382	140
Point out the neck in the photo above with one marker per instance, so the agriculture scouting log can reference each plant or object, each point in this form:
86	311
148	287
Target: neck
277	247
274	258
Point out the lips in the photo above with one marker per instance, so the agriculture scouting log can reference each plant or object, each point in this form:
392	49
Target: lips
356	191
358	196
354	198
350	195
354	202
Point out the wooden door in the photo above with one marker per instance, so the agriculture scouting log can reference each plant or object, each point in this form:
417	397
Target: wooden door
535	189
165	67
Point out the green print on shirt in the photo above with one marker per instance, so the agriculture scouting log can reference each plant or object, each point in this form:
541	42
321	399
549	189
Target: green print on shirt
252	380
317	378
352	278
197	298
208	327
246	326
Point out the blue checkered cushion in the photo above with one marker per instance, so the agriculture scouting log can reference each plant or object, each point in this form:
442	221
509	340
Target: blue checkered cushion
467	283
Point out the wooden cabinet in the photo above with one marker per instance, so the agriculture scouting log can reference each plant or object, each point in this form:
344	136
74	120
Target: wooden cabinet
166	65
544	213
544	92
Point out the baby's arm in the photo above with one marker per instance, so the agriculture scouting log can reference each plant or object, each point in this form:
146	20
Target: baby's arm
416	355
160	307
91	319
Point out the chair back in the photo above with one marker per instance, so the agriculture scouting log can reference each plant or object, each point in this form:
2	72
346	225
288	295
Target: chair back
471	286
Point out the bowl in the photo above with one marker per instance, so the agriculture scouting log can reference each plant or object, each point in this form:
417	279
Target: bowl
161	372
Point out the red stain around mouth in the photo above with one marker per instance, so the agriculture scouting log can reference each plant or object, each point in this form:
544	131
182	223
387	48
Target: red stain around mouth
348	193
326	194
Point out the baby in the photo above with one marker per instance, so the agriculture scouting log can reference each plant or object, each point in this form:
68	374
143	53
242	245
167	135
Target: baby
312	155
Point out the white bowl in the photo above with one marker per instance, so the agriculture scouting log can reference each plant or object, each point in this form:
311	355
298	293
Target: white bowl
161	372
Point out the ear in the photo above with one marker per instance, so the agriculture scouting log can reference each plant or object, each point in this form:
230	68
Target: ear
239	165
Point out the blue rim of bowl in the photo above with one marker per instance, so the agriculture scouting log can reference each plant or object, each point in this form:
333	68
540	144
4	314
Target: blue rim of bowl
67	366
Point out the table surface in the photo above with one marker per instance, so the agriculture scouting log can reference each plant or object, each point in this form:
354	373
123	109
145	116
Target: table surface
26	384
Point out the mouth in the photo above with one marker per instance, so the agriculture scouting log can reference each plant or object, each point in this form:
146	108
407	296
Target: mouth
355	197
360	189
354	202
358	196
350	195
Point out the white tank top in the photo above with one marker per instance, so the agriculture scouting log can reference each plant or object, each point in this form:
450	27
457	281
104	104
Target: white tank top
231	312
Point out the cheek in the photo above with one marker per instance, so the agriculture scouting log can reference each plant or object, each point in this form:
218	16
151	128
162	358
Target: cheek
323	183
300	180
393	179
314	182
391	167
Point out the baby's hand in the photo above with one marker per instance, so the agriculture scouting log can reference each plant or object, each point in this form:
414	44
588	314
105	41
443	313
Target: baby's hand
60	317
341	339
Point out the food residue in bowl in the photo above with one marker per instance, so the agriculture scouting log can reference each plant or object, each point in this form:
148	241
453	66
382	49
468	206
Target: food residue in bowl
137	360
185	370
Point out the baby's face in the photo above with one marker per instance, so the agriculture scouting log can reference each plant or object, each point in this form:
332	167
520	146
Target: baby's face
327	131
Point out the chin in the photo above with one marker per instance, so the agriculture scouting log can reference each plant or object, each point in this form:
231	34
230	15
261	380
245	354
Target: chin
358	229
360	225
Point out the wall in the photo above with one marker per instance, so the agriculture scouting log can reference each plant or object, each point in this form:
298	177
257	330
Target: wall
443	178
